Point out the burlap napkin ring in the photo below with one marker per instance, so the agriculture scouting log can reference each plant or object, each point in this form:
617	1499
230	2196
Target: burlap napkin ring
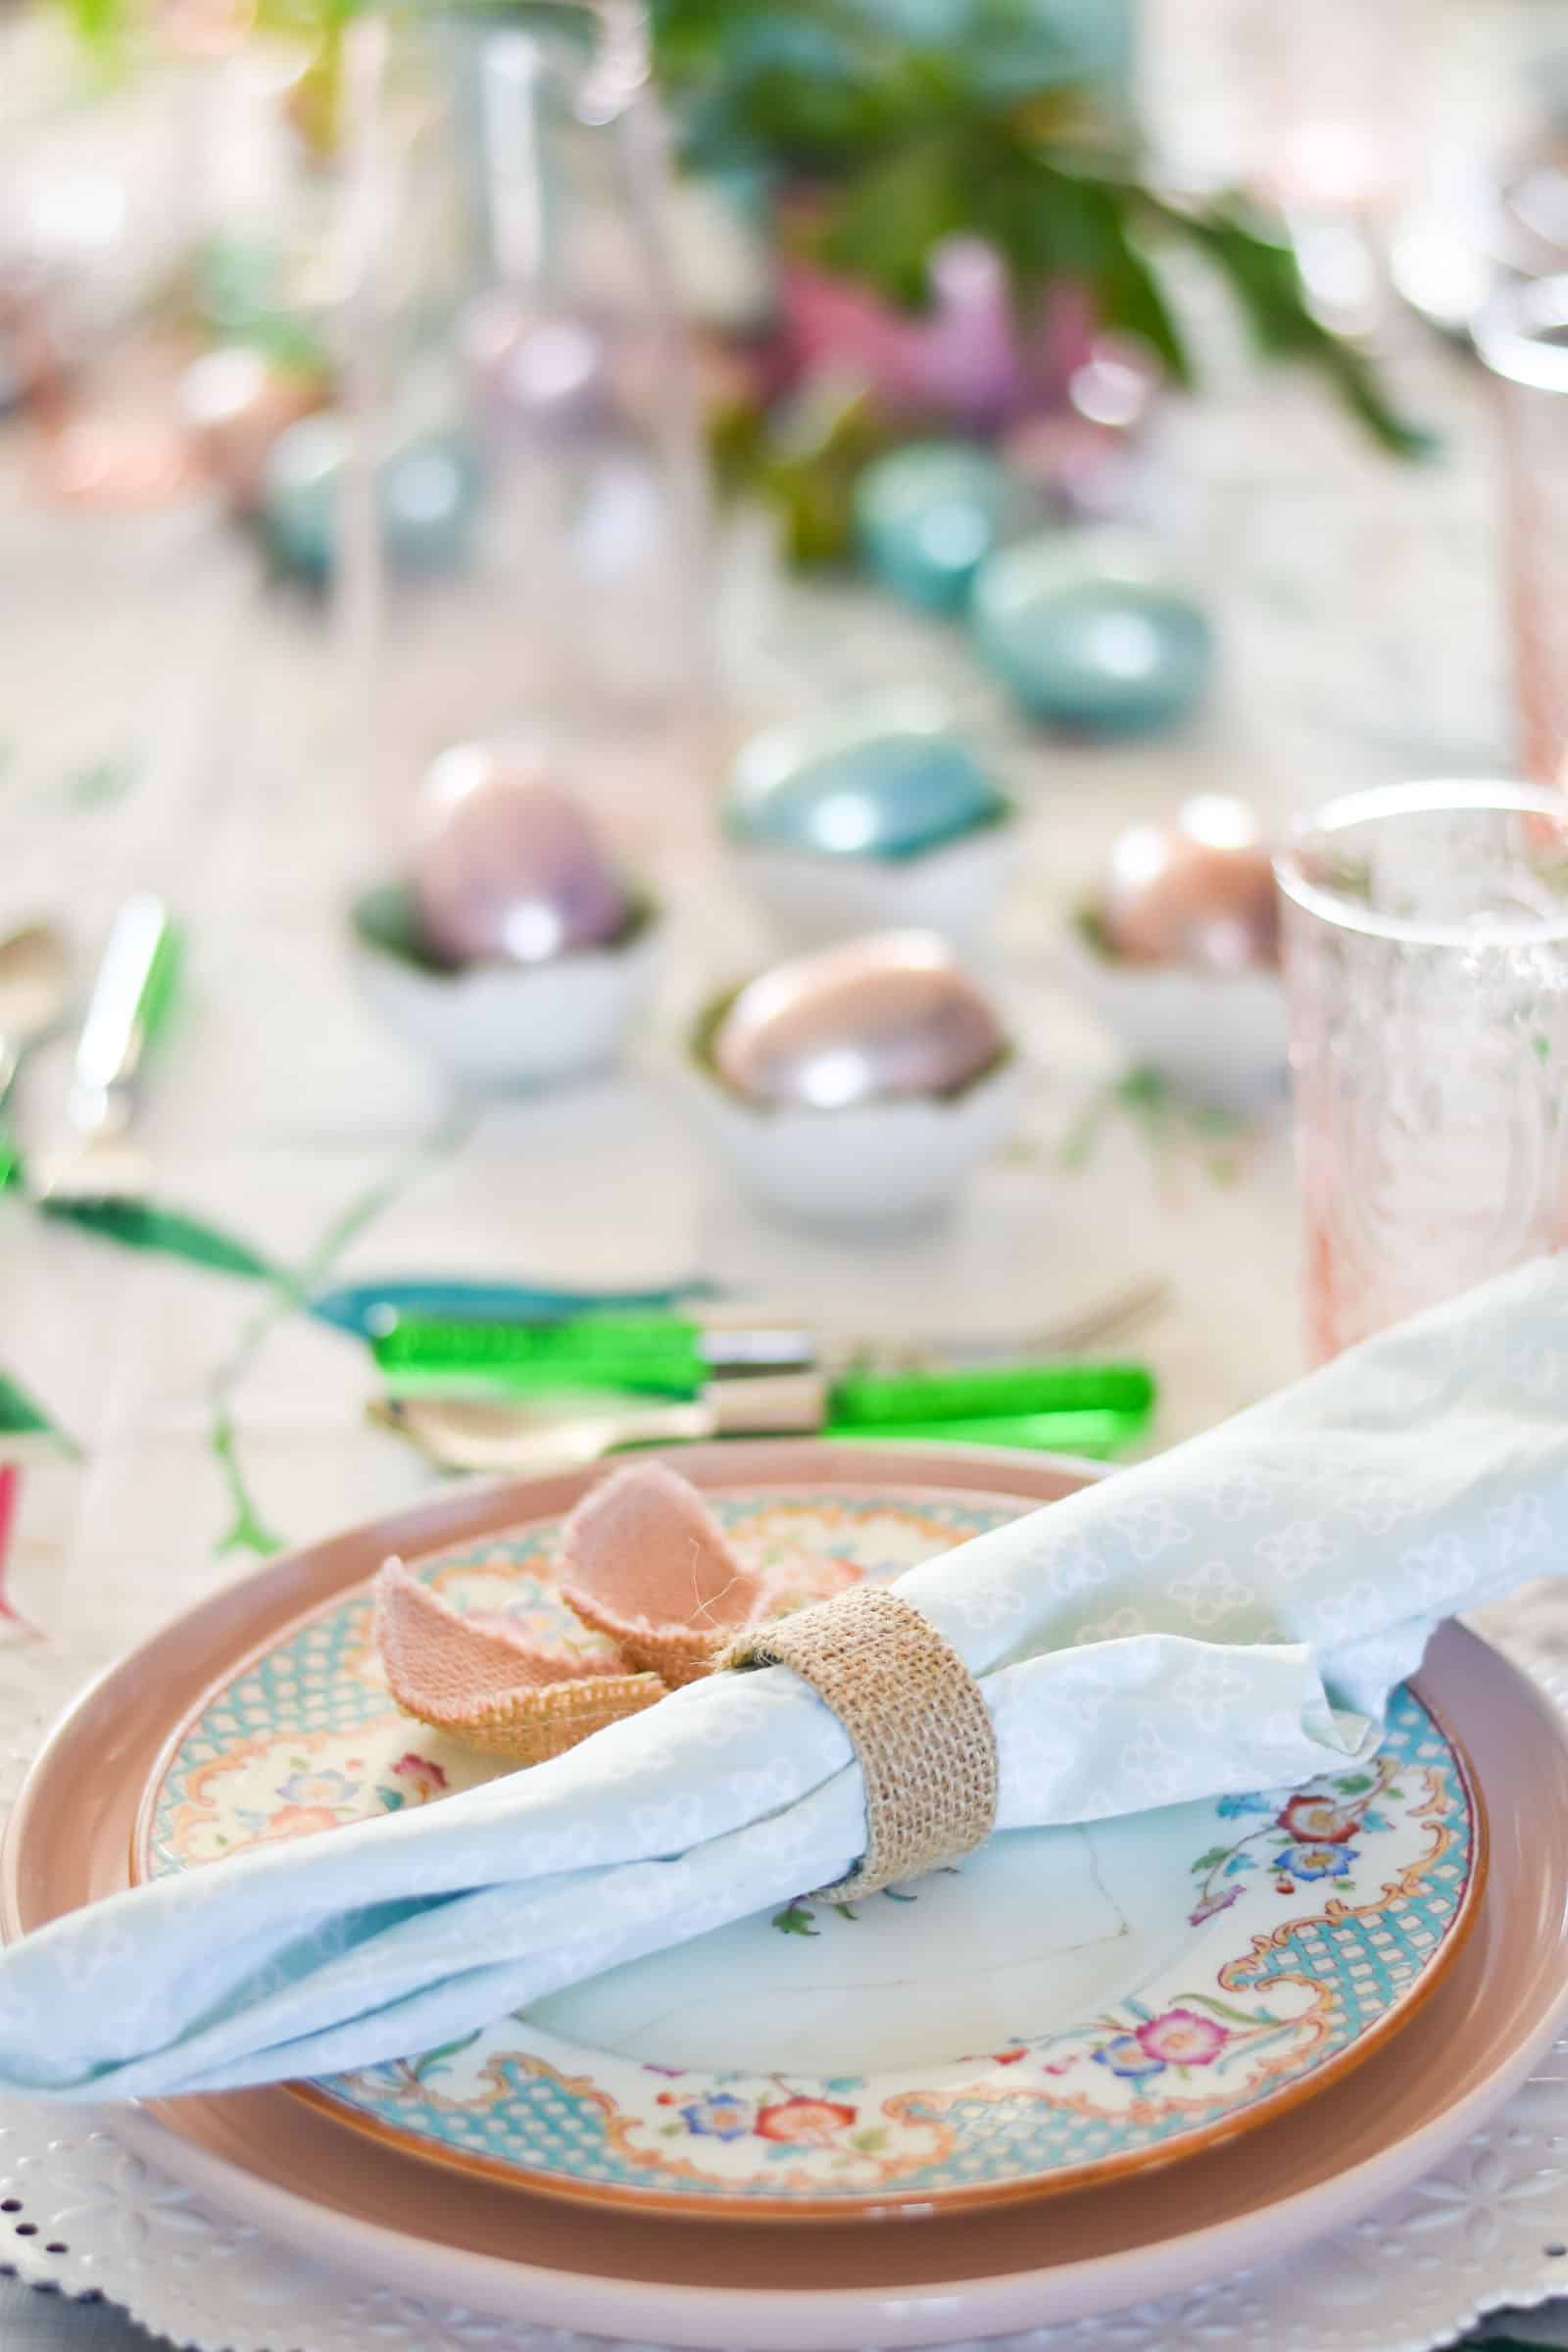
916	1716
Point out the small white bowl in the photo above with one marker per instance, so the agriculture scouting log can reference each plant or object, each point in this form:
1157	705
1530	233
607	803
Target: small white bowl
1218	1037
499	1026
895	1162
814	898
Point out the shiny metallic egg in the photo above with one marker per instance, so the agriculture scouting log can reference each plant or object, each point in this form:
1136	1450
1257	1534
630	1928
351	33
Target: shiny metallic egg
890	778
1198	892
508	868
874	1019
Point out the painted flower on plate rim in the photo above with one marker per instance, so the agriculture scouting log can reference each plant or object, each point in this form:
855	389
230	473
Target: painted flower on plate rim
1181	2037
720	2116
422	1772
318	1789
301	1820
1126	2055
803	2123
1317	1861
1316	1821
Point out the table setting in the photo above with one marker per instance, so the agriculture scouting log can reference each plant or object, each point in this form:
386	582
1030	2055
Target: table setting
781	1380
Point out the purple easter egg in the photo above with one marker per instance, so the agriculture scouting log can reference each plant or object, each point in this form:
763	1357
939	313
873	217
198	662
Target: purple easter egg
508	869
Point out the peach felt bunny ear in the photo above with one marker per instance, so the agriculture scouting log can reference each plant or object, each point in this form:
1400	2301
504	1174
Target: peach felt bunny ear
643	1563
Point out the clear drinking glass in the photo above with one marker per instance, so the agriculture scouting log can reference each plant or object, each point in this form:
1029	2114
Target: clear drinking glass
1426	961
1522	336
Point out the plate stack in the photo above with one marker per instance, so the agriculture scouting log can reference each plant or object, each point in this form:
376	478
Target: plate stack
1086	2068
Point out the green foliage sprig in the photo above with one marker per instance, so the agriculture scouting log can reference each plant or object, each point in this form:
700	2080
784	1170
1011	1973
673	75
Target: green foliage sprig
912	123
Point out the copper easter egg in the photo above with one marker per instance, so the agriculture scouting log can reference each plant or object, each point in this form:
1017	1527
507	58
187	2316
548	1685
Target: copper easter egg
508	868
874	1019
1198	892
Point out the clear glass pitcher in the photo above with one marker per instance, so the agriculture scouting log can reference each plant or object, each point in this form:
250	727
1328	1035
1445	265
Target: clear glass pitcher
510	499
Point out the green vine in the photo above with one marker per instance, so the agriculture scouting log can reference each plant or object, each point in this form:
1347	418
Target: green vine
248	1530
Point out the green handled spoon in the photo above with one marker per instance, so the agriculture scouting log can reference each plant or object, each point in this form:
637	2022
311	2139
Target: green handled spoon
35	974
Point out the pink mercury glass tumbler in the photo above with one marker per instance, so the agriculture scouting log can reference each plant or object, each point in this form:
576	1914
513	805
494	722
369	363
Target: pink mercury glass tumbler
1425	937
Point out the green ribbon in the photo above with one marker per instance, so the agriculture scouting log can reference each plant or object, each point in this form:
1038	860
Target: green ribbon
144	1225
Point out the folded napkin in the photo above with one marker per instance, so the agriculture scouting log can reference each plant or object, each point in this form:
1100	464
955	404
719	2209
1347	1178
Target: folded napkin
1229	1617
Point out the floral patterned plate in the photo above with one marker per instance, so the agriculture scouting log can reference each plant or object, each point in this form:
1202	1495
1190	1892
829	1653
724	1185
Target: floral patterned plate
1066	2005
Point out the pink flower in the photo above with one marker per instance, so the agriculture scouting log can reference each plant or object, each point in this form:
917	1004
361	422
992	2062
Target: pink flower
804	2123
428	1777
1181	2037
1314	1821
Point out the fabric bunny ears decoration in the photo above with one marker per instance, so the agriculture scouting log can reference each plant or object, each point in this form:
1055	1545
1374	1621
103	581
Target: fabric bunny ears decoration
660	1594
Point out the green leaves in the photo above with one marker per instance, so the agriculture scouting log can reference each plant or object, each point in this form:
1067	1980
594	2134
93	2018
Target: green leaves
20	1416
144	1225
1232	2015
438	2061
795	1920
890	216
813	89
969	121
1260	271
1212	1859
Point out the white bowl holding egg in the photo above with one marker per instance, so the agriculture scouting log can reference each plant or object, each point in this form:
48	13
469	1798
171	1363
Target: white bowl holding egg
870	1117
513	954
1178	956
499	1027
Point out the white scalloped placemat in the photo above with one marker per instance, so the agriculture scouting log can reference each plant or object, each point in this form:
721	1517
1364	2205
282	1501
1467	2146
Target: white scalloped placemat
1489	2228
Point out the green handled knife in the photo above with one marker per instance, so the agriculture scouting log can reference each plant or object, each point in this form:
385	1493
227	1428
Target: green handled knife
1084	1408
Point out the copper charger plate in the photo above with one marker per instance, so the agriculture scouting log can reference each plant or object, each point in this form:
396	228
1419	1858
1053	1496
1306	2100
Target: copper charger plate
729	2285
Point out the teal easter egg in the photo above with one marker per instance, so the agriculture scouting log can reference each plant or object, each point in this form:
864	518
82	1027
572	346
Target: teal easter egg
927	517
1088	631
426	495
889	780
